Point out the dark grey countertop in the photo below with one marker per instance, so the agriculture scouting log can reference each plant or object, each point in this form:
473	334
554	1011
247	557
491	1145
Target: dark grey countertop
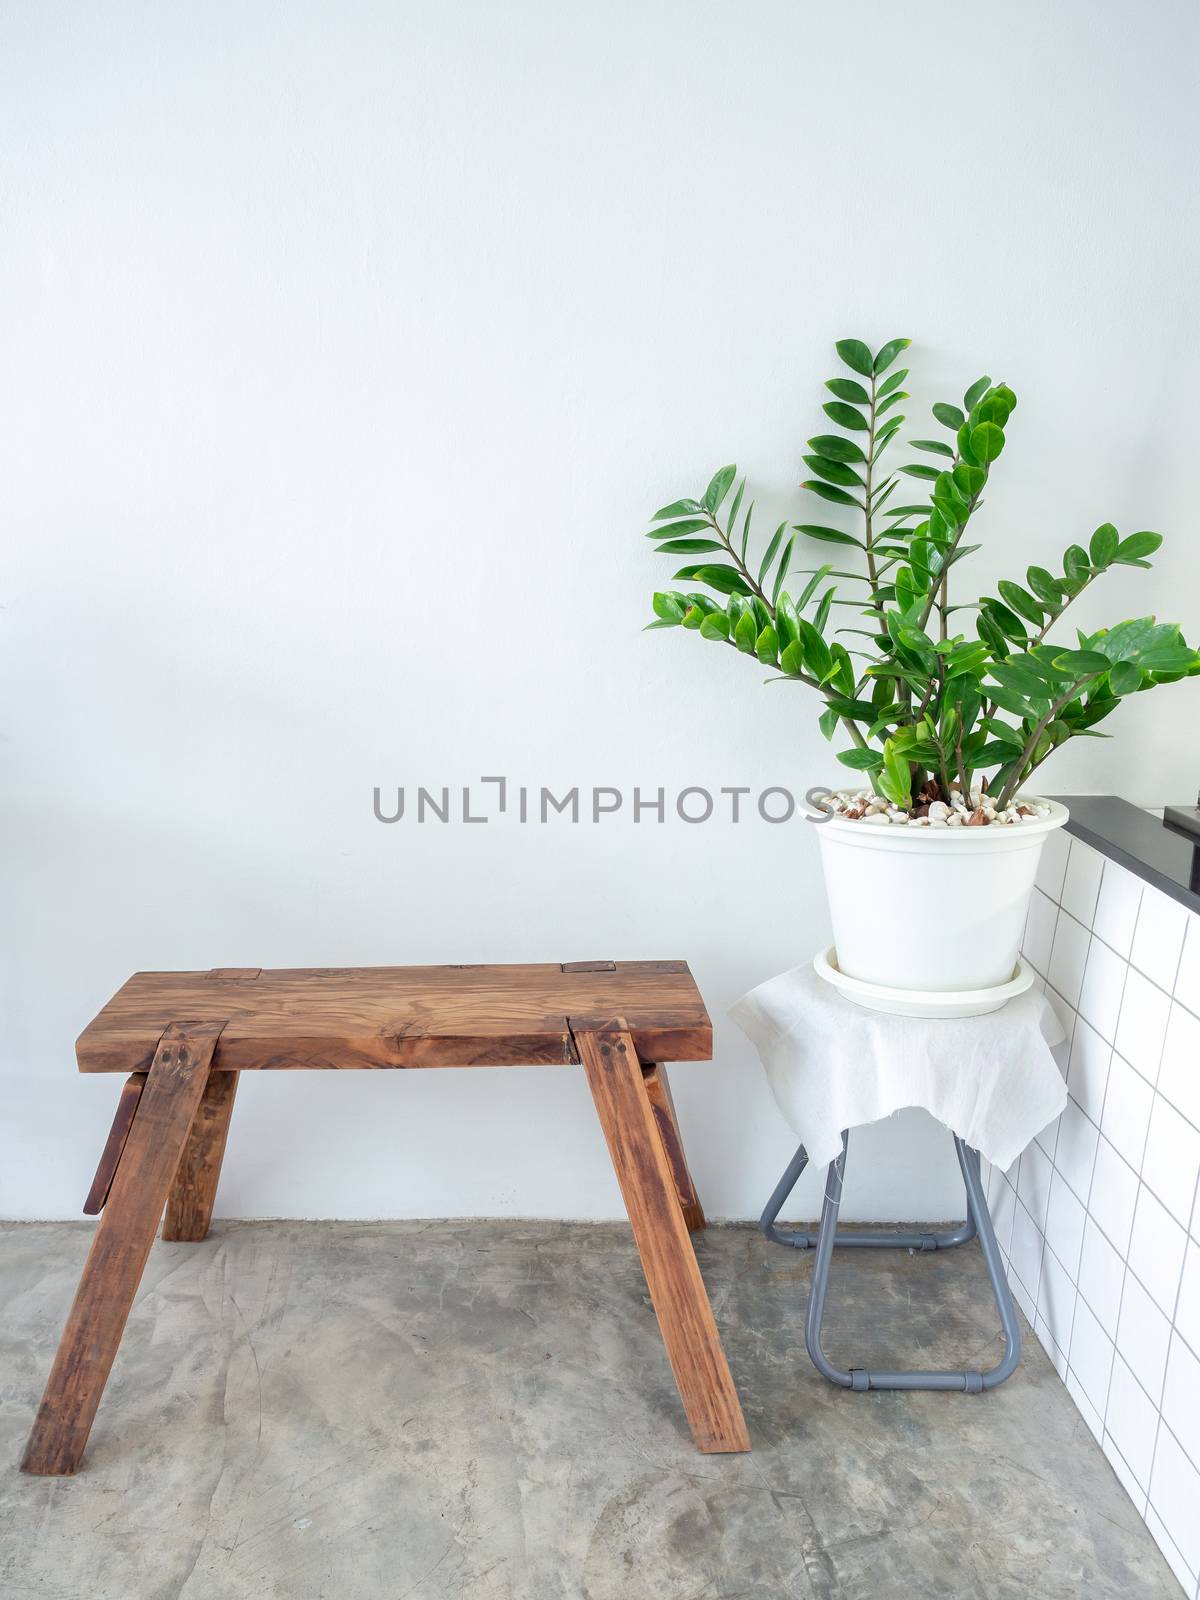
1137	840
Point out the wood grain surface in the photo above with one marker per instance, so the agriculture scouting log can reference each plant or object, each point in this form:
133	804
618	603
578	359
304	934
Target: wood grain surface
113	1269
106	1171
190	1202
658	1091
677	1290
353	1017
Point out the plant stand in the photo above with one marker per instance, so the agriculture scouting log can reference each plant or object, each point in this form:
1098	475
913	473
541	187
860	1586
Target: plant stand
978	1224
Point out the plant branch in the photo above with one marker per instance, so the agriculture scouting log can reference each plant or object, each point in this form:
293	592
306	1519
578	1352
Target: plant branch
741	566
1019	772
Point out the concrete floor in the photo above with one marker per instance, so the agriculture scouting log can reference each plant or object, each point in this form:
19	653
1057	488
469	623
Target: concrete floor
378	1411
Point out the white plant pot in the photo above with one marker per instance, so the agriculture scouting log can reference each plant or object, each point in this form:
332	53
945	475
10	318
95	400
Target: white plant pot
923	909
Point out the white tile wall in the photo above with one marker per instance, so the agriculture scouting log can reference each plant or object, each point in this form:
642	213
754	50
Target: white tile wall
1099	1220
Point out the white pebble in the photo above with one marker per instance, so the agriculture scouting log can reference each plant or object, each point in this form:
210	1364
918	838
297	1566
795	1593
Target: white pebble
937	822
938	811
954	820
876	816
898	816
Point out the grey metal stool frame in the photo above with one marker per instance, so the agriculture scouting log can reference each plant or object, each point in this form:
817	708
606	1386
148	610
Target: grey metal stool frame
978	1223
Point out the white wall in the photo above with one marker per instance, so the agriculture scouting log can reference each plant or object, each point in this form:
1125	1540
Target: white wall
1097	1220
345	351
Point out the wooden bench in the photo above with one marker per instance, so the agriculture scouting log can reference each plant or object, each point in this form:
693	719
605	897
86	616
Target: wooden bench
183	1038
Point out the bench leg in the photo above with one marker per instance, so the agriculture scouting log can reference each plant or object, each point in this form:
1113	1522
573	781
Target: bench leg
627	1116
658	1089
156	1140
190	1202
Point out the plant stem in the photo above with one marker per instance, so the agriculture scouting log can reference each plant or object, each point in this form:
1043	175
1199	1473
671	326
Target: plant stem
990	710
1019	773
740	564
872	572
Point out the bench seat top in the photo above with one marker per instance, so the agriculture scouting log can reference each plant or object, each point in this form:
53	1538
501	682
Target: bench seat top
453	1016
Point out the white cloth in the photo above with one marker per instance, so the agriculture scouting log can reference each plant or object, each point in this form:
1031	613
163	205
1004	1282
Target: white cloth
833	1065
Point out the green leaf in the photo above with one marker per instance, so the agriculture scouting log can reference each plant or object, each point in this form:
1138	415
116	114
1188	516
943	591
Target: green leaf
1012	737
1020	677
1137	546
1169	658
896	781
856	710
987	441
934	446
810	588
693	618
969	479
914	639
992	409
821	614
949	416
836	448
766	646
677	530
1021	602
688	547
736	506
726	580
861	760
920	470
828	492
785	562
833	471
669	606
1104	544
1009	700
792	660
894	382
719	488
745	528
1007	621
816	651
992	755
746	631
847	389
677	508
1081	663
889	353
1124	678
886	405
786	619
1044	586
845	416
772	547
1077	569
1128	639
856	355
976	392
827	535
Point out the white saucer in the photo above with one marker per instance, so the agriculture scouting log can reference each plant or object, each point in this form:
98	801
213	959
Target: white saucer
922	1003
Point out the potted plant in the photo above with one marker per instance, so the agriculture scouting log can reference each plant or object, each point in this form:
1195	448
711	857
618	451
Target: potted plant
930	869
